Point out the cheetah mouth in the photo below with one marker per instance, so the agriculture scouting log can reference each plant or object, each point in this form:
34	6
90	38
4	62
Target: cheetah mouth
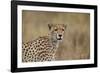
59	38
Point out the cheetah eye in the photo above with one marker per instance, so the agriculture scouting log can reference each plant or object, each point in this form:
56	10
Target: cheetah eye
55	29
62	29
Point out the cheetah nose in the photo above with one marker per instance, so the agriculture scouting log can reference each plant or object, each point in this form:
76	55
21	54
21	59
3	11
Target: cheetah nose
60	35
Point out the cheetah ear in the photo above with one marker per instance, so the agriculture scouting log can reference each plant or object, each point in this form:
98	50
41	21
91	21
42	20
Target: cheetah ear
50	25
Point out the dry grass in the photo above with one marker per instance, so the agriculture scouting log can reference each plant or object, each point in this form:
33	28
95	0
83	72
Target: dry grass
76	43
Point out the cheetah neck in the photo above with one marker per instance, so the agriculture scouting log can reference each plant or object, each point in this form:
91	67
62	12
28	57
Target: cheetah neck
54	41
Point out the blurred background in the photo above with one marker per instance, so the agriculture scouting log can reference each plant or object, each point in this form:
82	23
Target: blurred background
76	42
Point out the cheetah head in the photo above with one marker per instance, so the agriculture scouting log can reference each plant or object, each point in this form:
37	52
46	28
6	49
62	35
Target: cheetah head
57	31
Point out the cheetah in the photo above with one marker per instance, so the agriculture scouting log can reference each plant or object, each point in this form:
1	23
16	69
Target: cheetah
44	48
